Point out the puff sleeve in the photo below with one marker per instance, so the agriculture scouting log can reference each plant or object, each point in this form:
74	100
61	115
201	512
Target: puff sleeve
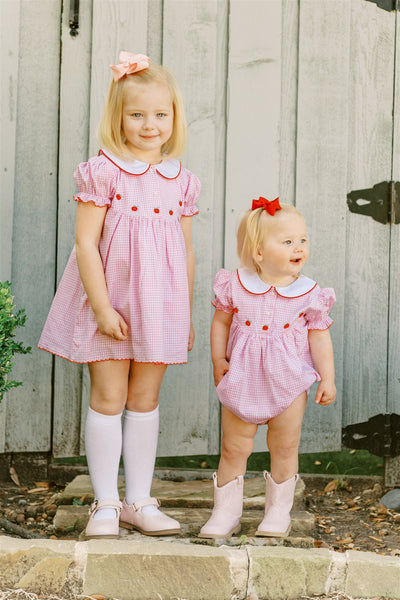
96	181
317	314
190	190
223	291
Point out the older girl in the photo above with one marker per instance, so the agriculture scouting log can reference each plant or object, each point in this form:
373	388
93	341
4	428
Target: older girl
124	303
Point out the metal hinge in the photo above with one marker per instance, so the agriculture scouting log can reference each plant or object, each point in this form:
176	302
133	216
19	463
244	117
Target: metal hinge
381	202
73	17
380	435
388	5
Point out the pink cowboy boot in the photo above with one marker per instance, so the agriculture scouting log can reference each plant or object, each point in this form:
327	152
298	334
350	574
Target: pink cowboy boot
278	504
228	505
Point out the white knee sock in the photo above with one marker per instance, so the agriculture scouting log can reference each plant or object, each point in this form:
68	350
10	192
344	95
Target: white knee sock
139	447
103	441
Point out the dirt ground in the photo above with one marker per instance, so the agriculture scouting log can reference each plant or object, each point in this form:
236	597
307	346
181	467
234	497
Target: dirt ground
352	517
347	517
22	595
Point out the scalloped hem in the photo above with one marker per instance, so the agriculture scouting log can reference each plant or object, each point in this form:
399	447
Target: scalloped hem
85	362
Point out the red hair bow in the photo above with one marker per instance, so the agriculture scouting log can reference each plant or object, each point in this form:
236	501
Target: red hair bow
269	205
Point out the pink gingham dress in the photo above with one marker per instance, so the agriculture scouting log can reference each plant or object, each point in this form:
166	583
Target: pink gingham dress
144	258
269	356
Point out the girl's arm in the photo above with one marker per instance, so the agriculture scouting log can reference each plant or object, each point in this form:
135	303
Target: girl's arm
89	225
220	327
186	224
322	355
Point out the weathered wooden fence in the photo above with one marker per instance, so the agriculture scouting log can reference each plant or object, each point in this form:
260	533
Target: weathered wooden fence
299	98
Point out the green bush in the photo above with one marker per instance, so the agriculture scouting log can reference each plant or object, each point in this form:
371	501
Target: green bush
8	347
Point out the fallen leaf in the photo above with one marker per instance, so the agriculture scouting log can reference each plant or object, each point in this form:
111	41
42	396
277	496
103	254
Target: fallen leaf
37	490
14	476
376	539
97	597
331	486
42	484
320	544
354	508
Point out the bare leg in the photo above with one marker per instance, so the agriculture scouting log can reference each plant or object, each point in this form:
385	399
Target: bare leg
283	439
109	386
237	445
144	386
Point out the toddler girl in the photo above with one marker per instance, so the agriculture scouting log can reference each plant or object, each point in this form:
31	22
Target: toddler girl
269	343
124	302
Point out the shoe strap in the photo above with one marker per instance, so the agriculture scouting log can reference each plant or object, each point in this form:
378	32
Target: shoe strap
146	502
112	503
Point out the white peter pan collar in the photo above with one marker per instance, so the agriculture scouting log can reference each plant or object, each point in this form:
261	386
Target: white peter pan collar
251	282
169	169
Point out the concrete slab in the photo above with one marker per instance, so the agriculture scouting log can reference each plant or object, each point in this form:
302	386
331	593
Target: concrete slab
166	570
134	569
372	574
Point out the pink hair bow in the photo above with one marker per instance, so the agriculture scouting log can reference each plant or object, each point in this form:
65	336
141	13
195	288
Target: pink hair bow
269	205
128	64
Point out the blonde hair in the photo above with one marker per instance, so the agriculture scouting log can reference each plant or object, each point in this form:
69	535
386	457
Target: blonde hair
110	132
253	232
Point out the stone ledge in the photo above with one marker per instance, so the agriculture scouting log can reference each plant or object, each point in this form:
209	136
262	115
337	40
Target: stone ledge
189	494
70	517
137	569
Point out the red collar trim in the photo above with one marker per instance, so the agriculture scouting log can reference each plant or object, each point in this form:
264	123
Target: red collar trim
251	282
169	169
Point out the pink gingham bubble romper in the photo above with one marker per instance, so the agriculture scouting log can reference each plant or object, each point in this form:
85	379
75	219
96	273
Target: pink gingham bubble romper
269	357
144	257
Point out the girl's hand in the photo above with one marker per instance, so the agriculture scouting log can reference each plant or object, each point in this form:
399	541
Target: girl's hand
191	337
221	366
326	393
112	324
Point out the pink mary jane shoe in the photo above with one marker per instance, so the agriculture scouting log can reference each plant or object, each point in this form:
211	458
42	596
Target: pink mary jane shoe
103	528
132	517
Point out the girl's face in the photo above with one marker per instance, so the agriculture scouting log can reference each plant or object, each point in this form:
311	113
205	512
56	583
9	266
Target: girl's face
285	250
147	119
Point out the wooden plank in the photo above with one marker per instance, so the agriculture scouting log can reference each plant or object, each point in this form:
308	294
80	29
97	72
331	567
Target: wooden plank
28	423
154	30
394	309
117	25
73	149
369	162
321	183
253	116
254	88
189	418
288	121
10	14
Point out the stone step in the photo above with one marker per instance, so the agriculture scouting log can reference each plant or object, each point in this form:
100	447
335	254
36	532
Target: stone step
189	494
69	517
